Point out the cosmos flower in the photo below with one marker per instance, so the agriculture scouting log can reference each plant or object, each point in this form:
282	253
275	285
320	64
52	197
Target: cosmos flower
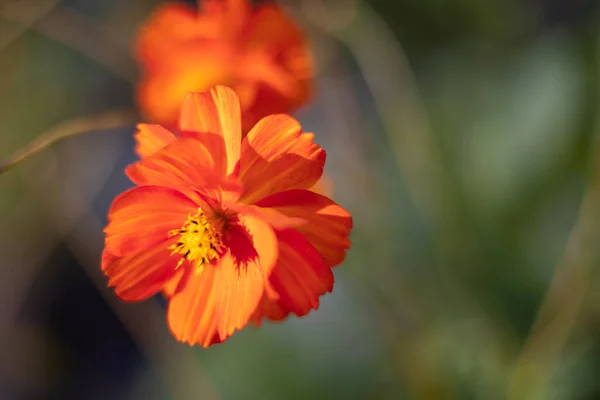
258	51
225	228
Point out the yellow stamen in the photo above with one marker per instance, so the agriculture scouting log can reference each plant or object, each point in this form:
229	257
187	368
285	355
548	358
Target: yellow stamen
199	242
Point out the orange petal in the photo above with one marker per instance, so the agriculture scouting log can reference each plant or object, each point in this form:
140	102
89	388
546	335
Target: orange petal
140	275
217	112
281	61
246	91
260	67
151	138
170	24
234	15
269	309
277	156
300	278
107	259
239	287
185	162
243	271
191	313
271	30
324	186
324	223
172	286
254	231
270	25
226	17
142	217
215	146
160	93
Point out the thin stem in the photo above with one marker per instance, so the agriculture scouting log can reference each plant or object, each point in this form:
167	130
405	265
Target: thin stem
107	120
560	308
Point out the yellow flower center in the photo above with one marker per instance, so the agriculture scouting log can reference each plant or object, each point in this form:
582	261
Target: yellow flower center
199	242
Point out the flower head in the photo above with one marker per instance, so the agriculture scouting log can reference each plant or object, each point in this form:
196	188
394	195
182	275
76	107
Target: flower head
225	228
259	52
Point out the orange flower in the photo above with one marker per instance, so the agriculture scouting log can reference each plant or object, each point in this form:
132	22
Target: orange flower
224	227
259	52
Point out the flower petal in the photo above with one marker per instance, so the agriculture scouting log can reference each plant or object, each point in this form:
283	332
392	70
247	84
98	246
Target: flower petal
186	162
290	76
217	112
239	287
151	138
140	275
262	239
271	310
107	259
324	223
191	312
243	272
270	25
142	217
277	156
168	24
171	287
215	146
324	186
160	92
300	278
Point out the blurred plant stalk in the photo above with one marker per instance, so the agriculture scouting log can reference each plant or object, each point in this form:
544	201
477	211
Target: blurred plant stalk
561	307
82	34
101	122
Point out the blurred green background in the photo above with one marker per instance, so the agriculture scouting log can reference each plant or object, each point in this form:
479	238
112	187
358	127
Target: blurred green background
462	136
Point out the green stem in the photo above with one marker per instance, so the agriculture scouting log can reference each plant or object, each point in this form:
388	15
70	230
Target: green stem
560	308
107	120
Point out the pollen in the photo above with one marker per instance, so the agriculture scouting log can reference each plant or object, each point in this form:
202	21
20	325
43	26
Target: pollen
199	242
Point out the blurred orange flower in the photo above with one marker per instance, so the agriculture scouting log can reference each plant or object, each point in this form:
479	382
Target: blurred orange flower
259	52
226	228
